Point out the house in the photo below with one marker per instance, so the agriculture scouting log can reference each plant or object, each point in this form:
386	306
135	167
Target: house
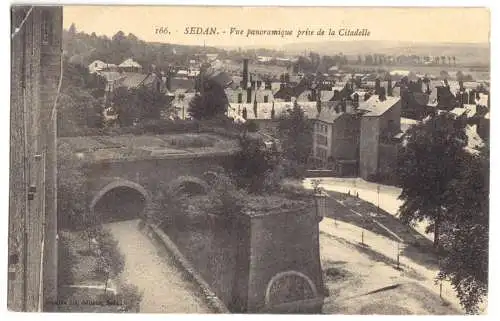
267	115
212	57
181	100
336	138
378	147
99	66
264	59
239	95
130	65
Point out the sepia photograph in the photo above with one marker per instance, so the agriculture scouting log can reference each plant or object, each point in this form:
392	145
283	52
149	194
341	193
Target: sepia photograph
249	160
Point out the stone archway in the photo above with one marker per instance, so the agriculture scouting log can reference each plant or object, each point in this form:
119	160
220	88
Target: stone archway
188	185
120	200
289	286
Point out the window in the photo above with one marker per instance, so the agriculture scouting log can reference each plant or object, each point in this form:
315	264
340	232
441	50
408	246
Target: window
321	140
47	28
240	98
266	98
321	153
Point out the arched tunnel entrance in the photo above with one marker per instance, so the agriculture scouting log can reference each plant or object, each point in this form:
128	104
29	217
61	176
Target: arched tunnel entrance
119	203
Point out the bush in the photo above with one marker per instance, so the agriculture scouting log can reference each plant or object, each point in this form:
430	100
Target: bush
252	126
129	296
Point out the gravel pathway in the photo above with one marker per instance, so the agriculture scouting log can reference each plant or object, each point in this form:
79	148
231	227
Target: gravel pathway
164	288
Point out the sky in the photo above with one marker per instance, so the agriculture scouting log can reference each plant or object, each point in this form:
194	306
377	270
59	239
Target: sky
449	25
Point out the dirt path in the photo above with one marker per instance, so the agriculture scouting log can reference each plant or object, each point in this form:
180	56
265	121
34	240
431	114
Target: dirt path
165	290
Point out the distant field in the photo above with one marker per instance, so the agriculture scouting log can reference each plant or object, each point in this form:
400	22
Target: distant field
482	73
258	69
476	73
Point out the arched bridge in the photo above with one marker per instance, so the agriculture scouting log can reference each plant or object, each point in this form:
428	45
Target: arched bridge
123	173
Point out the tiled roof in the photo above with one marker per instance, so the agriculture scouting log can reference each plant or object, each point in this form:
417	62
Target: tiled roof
468	109
129	63
264	109
111	75
328	113
133	79
375	107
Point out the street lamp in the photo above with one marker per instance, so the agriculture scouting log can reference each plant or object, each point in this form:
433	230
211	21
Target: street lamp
320	198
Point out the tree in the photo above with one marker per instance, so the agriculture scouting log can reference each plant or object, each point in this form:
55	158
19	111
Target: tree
464	237
72	29
295	130
426	166
110	261
125	106
211	103
252	164
72	209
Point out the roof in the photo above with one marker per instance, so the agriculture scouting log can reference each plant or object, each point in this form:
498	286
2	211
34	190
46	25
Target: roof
264	109
400	72
468	109
376	107
130	63
329	114
483	100
327	95
111	75
406	123
474	141
133	79
222	78
181	83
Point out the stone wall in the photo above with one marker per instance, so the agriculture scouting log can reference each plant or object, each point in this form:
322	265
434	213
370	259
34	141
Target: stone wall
35	73
244	258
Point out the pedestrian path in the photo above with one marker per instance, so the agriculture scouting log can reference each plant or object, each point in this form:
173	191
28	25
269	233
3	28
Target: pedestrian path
164	288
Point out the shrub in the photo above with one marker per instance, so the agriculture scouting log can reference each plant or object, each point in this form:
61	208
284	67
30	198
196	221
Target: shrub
129	296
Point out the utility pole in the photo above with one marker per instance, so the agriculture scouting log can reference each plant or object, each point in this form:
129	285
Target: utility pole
378	200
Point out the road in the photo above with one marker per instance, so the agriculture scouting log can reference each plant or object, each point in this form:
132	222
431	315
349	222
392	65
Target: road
164	288
386	198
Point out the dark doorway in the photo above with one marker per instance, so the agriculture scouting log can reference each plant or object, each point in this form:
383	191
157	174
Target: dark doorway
120	204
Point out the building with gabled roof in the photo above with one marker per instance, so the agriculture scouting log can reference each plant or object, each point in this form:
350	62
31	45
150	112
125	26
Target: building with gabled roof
380	123
130	65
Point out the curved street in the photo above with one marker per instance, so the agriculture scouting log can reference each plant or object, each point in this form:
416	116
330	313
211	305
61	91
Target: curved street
165	289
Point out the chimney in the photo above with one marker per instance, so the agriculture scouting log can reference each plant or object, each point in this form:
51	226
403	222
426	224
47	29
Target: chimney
318	106
389	86
168	82
255	107
377	85
465	98
343	106
381	95
355	100
245	74
472	95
